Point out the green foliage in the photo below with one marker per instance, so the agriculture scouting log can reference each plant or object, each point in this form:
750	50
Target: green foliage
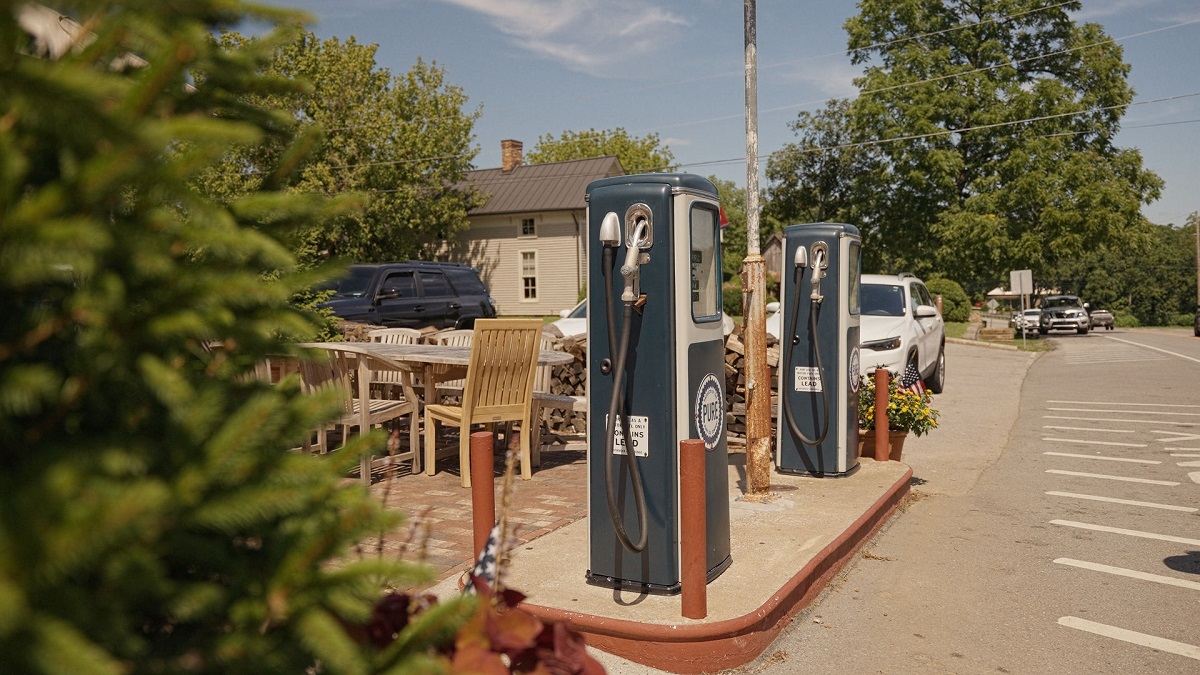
984	146
637	155
399	143
956	306
152	517
731	296
1125	320
733	235
1153	279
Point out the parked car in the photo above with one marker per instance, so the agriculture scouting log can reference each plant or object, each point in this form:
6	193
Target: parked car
573	322
900	325
1028	323
412	294
1014	321
1063	312
1101	317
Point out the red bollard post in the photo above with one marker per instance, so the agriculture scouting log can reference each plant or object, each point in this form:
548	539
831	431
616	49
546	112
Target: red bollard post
882	446
693	535
483	489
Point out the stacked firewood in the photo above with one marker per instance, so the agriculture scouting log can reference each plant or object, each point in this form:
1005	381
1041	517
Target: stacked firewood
570	380
735	386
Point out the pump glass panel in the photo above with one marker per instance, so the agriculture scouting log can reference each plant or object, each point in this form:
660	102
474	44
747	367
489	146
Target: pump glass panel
705	280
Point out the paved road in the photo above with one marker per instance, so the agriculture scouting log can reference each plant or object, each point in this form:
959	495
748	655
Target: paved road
1053	529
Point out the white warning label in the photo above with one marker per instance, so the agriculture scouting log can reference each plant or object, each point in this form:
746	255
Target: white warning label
639	431
807	379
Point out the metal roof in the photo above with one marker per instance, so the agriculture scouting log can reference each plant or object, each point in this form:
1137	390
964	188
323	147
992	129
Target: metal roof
556	186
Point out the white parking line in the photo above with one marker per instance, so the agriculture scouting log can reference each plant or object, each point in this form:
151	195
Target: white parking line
1106	419
1127	502
1164	351
1107	459
1087	442
1126	412
1189	465
1157	405
1108	477
1122	420
1128	533
1132	574
1107	431
1183	454
1132	637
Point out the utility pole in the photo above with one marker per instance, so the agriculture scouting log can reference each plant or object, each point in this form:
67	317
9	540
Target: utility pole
754	290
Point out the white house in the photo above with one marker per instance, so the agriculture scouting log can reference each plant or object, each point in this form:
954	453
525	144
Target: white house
529	241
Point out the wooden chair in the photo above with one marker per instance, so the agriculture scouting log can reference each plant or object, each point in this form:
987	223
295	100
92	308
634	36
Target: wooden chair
498	388
363	411
391	383
544	400
456	338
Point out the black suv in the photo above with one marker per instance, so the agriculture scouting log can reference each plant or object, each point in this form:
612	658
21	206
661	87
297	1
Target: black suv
412	294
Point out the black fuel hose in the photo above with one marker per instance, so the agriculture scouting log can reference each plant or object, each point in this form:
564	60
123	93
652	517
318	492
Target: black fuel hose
614	406
812	328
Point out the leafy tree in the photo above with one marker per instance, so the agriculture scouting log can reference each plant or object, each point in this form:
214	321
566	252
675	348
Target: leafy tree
403	143
733	235
985	128
152	517
637	155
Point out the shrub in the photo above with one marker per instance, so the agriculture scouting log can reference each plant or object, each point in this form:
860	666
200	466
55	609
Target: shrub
731	296
956	305
1123	319
1182	320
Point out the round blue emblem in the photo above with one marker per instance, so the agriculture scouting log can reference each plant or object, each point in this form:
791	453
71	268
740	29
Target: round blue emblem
710	411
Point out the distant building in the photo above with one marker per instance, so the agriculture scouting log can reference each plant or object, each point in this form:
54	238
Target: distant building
529	240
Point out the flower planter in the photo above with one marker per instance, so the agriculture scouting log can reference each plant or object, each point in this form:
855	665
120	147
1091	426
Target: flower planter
866	443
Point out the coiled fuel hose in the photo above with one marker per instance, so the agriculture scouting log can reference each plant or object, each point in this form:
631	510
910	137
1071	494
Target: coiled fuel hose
816	344
614	408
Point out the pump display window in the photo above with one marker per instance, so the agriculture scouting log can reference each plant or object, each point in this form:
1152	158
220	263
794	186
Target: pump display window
706	289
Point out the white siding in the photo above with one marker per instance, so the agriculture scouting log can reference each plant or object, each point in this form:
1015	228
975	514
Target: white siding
493	245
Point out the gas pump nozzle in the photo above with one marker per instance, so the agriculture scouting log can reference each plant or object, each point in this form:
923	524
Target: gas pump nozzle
632	261
818	271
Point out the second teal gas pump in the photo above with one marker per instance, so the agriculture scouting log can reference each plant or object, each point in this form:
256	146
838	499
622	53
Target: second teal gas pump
817	426
655	375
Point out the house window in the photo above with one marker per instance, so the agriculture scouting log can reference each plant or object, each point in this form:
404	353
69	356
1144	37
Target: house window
528	229
529	275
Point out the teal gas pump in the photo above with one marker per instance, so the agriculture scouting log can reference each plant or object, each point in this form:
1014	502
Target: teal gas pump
655	375
817	427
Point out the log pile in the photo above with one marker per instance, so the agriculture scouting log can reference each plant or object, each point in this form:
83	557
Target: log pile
735	386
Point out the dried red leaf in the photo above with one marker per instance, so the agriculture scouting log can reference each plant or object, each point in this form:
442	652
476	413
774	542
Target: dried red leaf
478	659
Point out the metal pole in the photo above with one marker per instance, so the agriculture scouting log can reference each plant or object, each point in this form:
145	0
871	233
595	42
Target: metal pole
693	535
882	433
754	291
483	488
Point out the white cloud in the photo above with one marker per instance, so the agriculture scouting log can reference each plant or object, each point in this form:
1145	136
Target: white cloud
590	36
830	78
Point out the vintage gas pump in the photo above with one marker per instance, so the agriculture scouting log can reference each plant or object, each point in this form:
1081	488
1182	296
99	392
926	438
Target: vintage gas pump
655	375
817	428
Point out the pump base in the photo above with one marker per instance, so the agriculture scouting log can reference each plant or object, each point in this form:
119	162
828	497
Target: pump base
820	474
652	589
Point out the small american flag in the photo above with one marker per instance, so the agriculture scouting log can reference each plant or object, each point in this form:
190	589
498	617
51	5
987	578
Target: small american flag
912	380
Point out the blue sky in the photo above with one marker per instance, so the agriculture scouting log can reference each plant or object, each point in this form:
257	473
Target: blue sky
675	68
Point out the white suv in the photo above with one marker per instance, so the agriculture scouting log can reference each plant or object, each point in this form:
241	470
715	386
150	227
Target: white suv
901	325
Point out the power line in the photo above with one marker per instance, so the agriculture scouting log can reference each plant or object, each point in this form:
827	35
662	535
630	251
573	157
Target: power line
805	104
946	132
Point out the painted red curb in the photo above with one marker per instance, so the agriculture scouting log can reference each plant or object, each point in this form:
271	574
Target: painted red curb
707	647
